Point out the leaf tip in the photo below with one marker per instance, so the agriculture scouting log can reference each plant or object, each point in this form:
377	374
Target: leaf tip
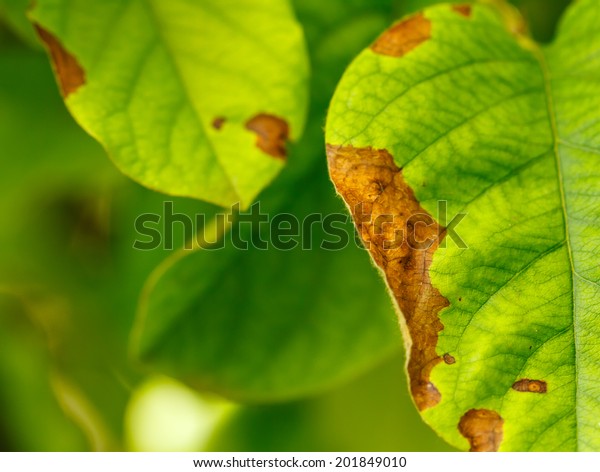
68	70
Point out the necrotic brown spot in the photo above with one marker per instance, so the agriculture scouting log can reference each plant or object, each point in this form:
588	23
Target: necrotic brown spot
528	385
384	209
449	359
483	429
68	71
272	134
218	122
403	37
464	10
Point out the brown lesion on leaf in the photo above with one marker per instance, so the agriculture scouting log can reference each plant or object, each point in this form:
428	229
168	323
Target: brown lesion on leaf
69	73
272	134
218	122
483	429
449	359
403	37
532	386
464	10
384	209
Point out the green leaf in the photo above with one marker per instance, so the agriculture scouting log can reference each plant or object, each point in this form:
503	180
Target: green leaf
269	325
189	98
453	105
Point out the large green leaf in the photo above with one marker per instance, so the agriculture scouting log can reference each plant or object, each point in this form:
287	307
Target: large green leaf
263	325
456	105
189	98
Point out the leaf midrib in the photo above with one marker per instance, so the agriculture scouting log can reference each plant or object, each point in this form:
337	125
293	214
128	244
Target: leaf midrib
154	17
547	78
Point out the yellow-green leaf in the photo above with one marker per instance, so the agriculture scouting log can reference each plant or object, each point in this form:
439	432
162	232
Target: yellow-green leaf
189	98
455	105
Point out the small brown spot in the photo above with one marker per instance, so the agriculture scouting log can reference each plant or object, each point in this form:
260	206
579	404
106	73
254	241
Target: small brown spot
460	299
528	385
464	10
68	71
218	122
383	206
403	37
272	132
483	430
449	359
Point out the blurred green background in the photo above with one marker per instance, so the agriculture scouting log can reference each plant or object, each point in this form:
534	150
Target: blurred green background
70	279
